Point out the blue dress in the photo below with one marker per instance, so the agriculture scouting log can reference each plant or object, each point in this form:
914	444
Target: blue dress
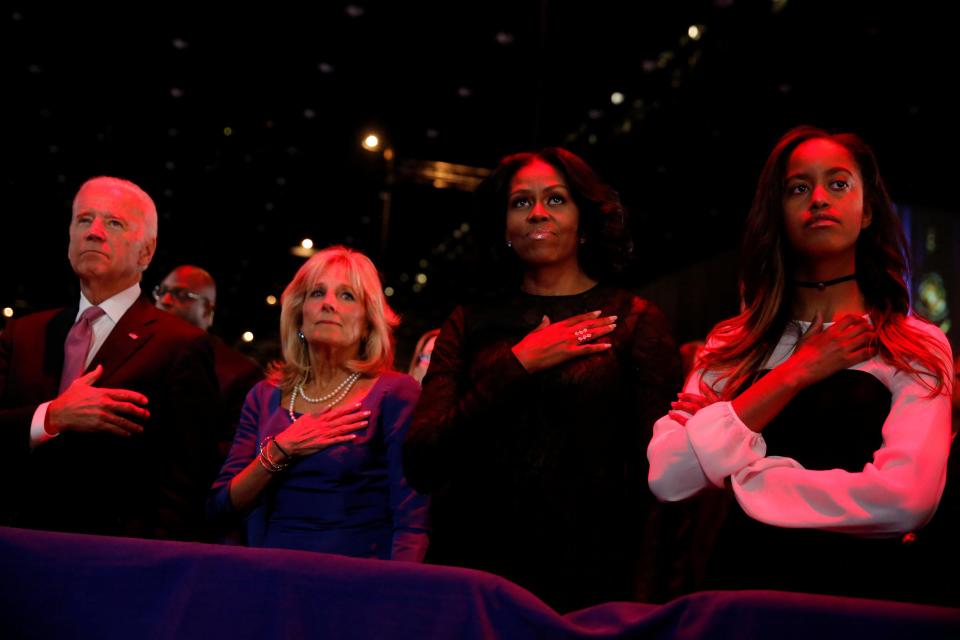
350	499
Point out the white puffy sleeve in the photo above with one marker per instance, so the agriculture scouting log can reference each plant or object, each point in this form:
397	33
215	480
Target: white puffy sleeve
896	492
711	446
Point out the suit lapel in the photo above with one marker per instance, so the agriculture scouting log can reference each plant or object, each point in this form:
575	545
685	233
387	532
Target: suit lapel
132	333
56	335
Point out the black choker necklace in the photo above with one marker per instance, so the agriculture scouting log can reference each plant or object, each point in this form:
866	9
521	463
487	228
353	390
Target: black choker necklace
823	284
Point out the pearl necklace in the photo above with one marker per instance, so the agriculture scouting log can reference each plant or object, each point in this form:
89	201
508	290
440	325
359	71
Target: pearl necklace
347	382
340	392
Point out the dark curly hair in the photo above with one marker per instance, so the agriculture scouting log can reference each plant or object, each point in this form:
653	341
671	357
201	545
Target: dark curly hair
603	226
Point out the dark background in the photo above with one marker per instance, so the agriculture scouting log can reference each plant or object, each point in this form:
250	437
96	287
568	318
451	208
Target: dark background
245	126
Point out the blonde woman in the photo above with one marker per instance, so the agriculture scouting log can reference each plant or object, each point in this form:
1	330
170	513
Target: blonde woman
316	460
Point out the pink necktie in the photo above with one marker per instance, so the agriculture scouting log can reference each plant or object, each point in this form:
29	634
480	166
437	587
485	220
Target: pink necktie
77	346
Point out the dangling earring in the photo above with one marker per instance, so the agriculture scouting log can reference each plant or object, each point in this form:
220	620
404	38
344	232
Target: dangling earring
583	240
509	244
300	335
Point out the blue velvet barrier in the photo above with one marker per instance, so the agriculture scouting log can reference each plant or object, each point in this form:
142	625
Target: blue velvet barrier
55	585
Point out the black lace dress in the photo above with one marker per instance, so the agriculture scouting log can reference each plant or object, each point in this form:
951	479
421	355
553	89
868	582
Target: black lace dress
542	478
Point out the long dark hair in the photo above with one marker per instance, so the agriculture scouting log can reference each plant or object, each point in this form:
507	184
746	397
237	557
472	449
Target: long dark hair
606	246
741	345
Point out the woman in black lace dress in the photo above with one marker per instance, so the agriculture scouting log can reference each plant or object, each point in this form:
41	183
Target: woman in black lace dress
535	411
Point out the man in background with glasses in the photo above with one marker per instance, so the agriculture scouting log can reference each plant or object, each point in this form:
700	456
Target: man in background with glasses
191	293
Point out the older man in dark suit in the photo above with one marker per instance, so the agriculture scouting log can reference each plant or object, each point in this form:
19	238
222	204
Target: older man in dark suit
108	407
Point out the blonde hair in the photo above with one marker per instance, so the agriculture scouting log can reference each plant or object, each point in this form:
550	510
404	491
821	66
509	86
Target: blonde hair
376	349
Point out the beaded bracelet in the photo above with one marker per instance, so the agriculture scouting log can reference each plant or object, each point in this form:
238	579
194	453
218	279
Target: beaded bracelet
266	464
279	448
265	445
266	461
280	466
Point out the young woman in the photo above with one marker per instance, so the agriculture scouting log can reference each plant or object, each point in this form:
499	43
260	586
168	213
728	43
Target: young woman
824	406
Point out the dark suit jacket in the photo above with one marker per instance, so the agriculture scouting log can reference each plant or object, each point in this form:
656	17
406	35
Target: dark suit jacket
148	485
236	374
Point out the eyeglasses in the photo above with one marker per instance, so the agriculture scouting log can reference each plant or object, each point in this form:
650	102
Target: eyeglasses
179	293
